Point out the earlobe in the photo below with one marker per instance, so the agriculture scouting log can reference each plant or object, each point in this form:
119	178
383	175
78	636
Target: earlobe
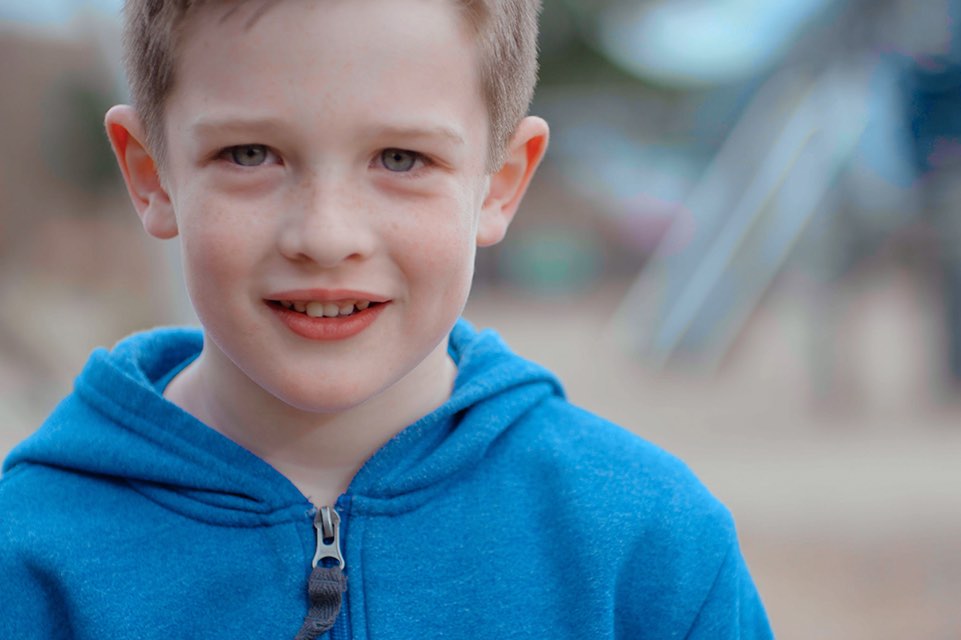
140	173
508	186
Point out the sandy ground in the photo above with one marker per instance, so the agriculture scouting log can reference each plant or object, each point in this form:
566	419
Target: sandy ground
849	511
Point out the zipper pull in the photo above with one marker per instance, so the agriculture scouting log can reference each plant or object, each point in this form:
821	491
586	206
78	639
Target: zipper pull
326	585
327	526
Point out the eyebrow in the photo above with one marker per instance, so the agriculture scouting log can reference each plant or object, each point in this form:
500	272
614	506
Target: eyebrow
215	124
206	125
431	132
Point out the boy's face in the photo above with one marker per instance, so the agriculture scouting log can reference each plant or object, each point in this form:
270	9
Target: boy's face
329	152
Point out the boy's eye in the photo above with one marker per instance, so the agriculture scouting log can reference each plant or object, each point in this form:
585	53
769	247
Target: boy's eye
248	155
398	160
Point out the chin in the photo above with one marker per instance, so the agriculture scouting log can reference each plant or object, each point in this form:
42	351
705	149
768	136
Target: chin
332	399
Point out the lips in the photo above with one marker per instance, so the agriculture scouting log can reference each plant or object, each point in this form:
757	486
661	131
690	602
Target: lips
326	315
318	309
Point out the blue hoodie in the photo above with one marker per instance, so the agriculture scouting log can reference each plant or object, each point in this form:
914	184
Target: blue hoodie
506	513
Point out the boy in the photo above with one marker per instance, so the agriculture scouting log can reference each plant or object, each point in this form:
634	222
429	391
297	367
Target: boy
336	452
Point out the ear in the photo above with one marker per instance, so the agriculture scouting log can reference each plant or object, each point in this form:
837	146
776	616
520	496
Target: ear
150	199
507	187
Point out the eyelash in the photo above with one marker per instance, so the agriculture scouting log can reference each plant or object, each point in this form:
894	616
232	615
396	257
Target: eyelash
421	161
227	154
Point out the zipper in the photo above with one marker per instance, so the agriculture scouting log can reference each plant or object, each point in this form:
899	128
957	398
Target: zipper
327	584
327	530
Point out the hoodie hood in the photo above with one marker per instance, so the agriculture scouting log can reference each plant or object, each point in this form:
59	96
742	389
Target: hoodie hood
116	424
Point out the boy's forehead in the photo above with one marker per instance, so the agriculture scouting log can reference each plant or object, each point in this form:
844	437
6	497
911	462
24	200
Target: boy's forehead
239	18
217	13
286	65
249	12
241	22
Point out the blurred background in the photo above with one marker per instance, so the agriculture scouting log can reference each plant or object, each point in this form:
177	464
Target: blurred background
745	245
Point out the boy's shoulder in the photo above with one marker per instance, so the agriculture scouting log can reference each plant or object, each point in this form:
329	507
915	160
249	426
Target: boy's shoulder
590	460
48	514
523	432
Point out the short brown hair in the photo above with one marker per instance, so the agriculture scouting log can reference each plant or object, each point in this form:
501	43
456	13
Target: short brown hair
506	32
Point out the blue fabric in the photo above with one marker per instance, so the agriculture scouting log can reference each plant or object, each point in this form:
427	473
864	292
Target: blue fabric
506	513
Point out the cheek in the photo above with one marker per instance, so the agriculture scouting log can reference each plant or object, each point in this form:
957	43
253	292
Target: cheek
213	249
444	241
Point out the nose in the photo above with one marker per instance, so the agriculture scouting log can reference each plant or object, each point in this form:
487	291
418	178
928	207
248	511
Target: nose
326	224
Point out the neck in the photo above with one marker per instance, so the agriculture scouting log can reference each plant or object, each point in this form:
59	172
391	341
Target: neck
318	452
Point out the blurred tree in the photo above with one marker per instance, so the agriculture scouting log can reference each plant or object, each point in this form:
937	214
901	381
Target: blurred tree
74	145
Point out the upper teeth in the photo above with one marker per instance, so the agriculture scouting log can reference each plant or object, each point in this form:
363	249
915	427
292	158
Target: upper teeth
327	309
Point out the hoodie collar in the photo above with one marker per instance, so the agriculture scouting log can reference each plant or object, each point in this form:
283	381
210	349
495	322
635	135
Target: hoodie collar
117	424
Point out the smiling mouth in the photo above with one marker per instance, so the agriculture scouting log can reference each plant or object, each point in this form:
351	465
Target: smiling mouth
333	309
